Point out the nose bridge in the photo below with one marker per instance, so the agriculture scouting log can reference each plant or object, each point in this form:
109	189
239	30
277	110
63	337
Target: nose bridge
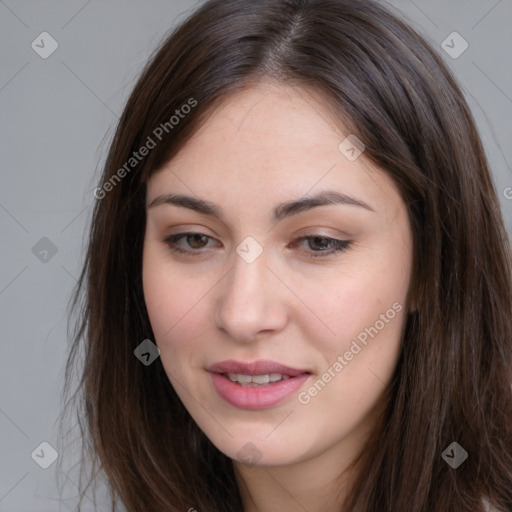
248	302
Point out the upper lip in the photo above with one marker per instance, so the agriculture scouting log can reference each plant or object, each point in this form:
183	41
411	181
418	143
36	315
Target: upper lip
261	367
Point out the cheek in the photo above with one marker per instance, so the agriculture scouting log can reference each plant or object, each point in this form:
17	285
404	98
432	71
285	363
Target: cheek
364	307
357	301
177	308
366	339
166	295
359	359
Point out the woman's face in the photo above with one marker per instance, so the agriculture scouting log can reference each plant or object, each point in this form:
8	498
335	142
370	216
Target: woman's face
261	289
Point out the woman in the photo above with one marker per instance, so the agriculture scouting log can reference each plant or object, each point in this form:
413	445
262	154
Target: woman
297	291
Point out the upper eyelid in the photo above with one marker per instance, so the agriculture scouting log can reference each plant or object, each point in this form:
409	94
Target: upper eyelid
311	234
200	229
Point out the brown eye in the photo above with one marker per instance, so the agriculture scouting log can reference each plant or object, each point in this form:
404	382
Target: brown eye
320	246
198	240
319	242
194	242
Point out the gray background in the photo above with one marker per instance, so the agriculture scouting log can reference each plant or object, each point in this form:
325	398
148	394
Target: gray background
58	115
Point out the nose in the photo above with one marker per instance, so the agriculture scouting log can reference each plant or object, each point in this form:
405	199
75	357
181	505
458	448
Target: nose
251	301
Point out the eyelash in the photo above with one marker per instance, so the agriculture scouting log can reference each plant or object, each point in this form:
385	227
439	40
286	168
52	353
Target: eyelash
339	245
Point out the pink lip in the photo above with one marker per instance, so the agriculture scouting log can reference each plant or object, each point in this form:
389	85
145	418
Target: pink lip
254	368
249	397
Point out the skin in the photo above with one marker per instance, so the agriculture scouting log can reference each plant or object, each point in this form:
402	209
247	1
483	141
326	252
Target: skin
265	145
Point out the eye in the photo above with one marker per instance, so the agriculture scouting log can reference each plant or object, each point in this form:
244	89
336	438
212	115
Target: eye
198	241
321	245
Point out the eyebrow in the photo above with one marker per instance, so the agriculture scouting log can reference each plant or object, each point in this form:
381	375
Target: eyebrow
328	197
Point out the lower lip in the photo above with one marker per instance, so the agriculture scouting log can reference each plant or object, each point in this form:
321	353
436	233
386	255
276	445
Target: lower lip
256	397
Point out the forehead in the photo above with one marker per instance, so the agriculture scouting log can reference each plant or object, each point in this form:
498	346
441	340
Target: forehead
267	121
270	140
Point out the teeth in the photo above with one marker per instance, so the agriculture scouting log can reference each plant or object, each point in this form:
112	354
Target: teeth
256	380
243	379
261	379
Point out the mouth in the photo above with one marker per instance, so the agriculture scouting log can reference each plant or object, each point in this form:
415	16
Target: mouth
256	380
256	385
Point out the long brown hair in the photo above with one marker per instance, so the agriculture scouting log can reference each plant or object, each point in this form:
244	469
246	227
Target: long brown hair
453	380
